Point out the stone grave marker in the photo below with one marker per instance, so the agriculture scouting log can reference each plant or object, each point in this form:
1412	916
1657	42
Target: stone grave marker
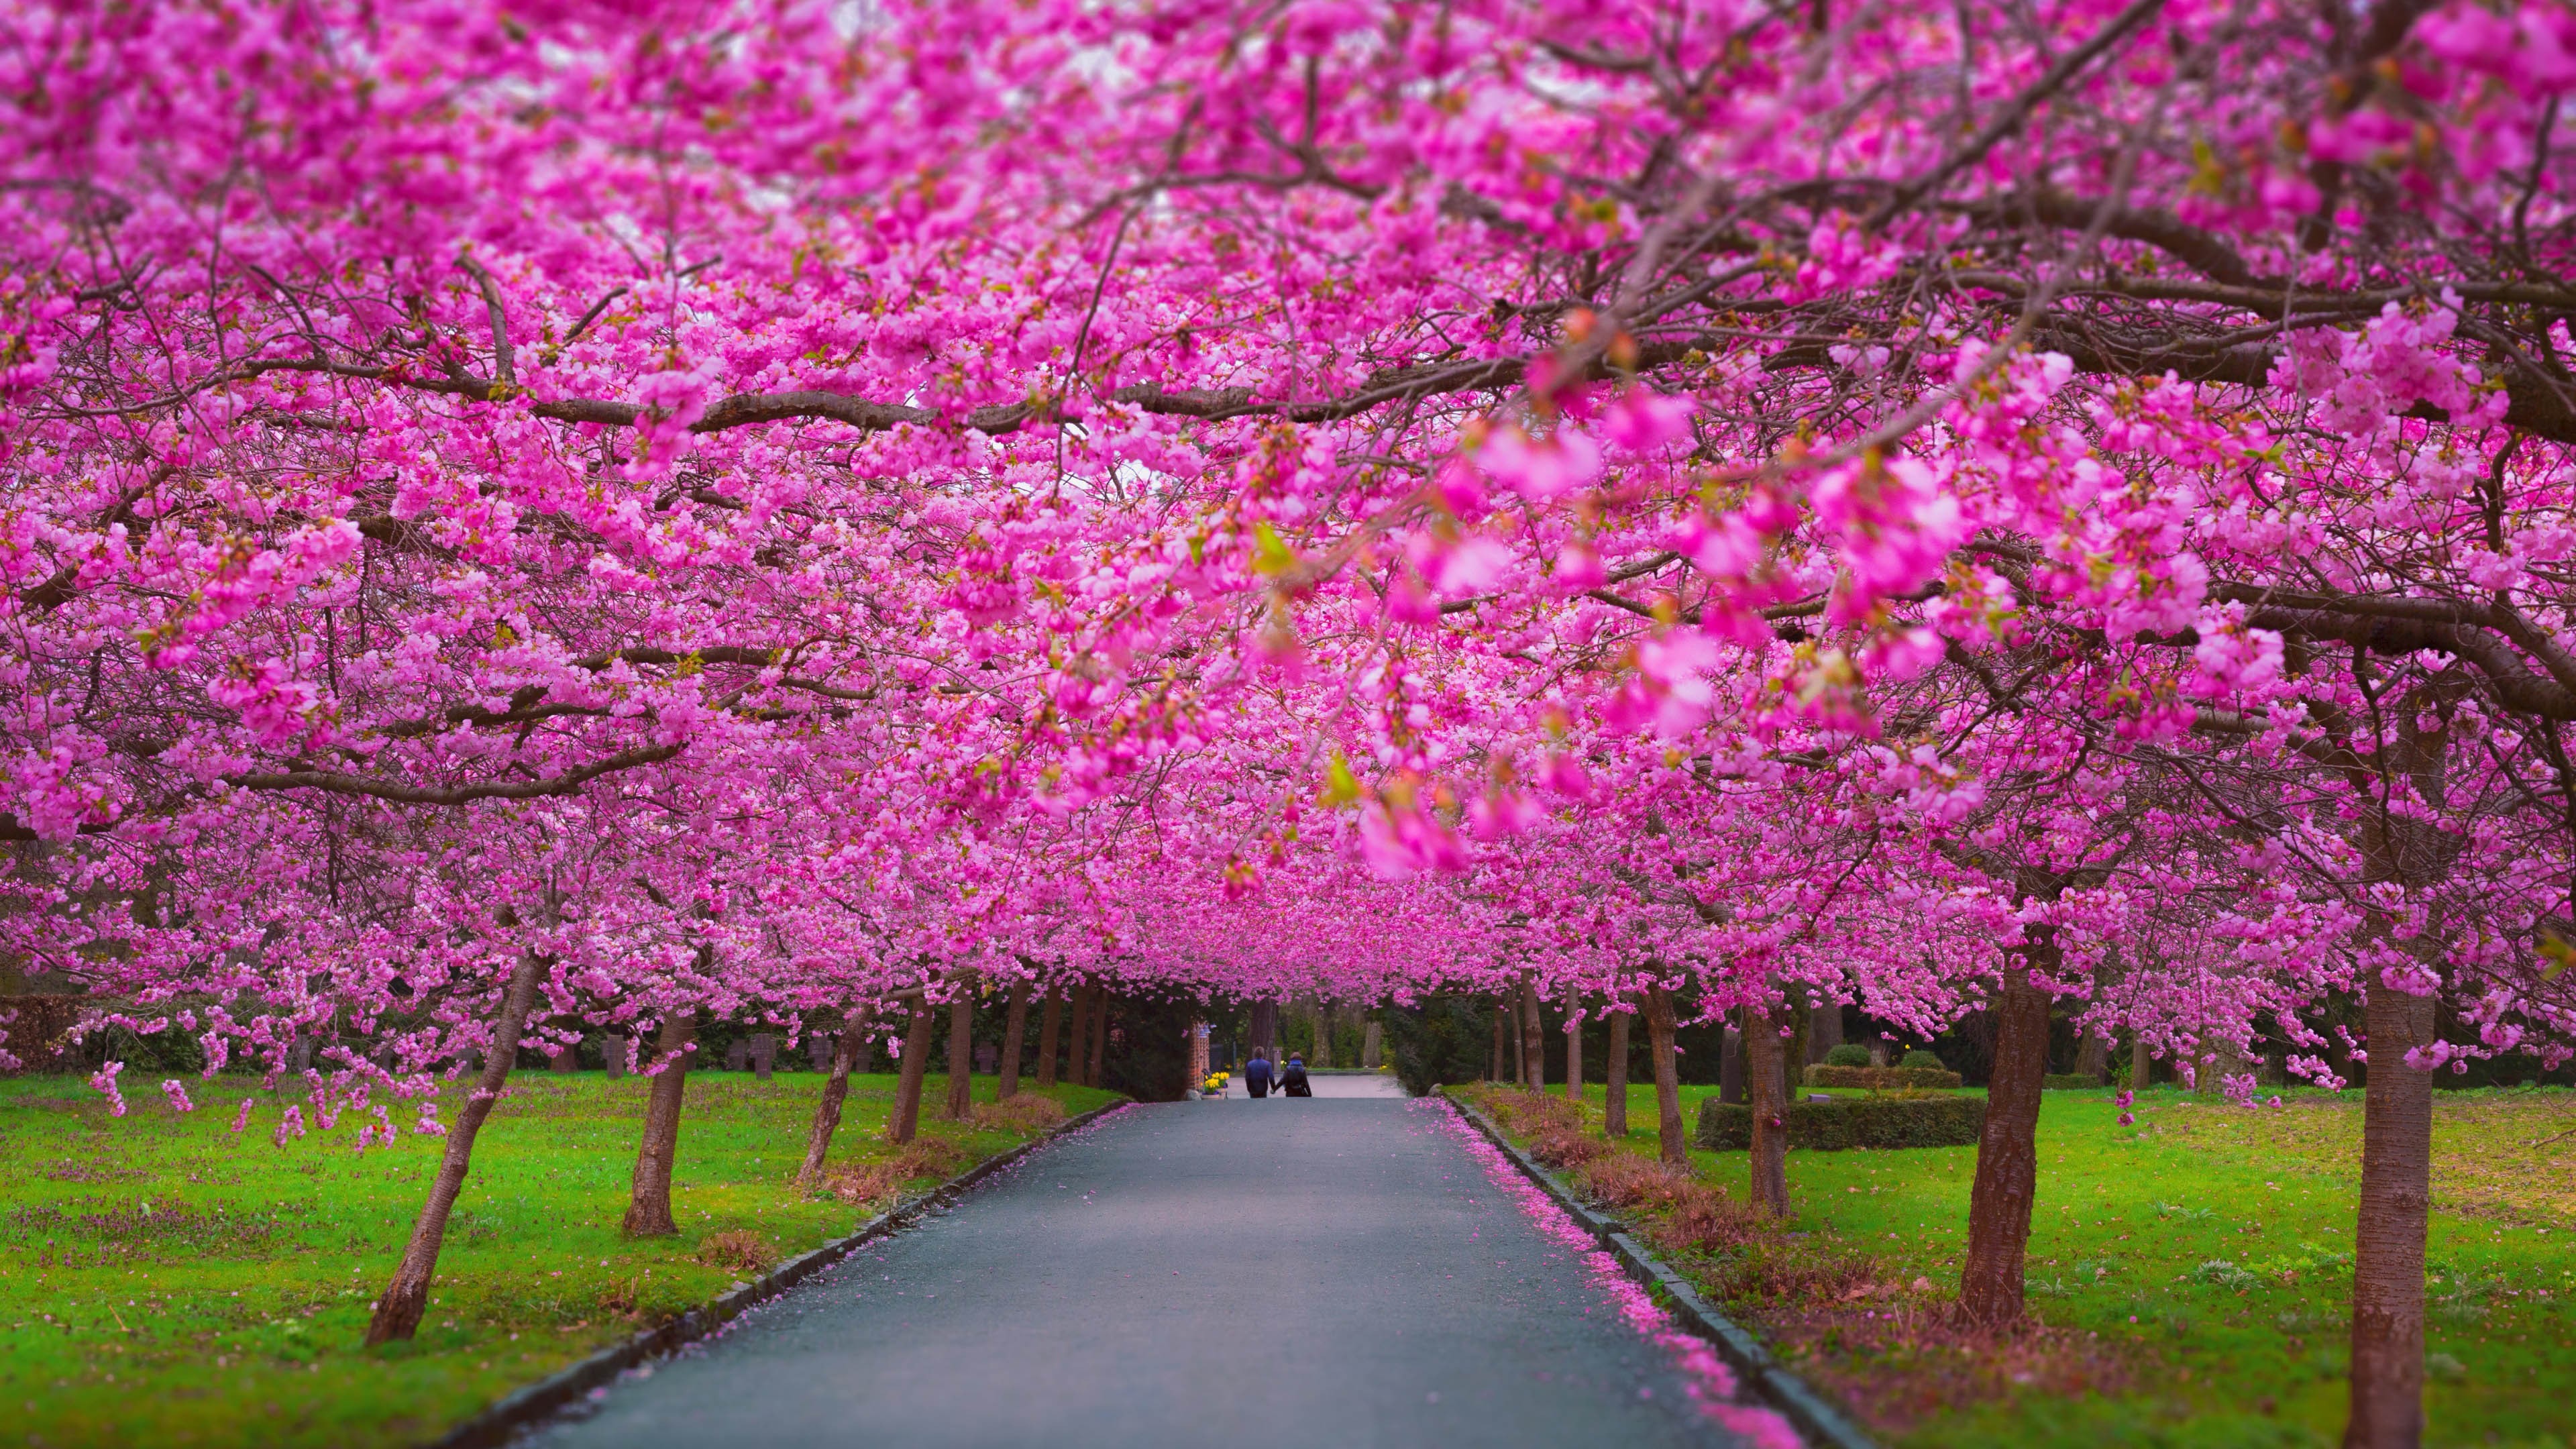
614	1050
764	1052
738	1055
819	1046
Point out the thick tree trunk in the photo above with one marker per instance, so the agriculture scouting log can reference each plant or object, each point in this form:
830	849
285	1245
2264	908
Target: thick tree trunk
406	1298
1373	1044
1099	1065
2388	1243
1533	1039
1672	1145
2142	1064
1614	1094
1766	1067
2007	1184
1573	1046
2093	1058
906	1120
1322	1055
1496	1073
1730	1066
1520	1049
1050	1025
1015	1033
1078	1033
961	1053
1824	1030
648	1199
827	1109
1265	1031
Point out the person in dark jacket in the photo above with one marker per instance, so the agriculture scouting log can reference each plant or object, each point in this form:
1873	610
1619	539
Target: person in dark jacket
1292	1077
1256	1074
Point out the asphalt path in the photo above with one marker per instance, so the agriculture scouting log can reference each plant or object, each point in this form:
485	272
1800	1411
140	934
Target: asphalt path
1335	1271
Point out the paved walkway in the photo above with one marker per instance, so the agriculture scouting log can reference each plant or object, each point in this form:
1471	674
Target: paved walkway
1333	1272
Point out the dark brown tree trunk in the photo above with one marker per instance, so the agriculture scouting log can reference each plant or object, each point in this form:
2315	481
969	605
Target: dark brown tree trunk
2007	1183
1050	1029
1373	1044
2093	1058
1520	1048
906	1120
1672	1145
648	1200
1099	1037
827	1108
1824	1030
1573	1046
1533	1040
406	1298
1614	1093
1496	1073
961	1052
1078	1036
1766	1062
1015	1032
1322	1055
2142	1064
1730	1062
2388	1243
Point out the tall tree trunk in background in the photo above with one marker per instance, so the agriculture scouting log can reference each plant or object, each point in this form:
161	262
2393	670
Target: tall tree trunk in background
1673	1147
648	1198
1078	1034
406	1298
905	1121
1050	1023
1614	1092
2388	1242
2007	1185
1265	1031
2093	1058
827	1109
1495	1073
2142	1064
1322	1055
1730	1062
961	1052
1015	1033
1533	1038
1520	1051
1824	1030
1766	1064
1099	1038
1573	1045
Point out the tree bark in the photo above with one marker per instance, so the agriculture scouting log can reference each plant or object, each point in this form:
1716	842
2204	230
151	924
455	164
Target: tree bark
648	1200
1050	1025
399	1308
1730	1066
2007	1183
1099	1037
1373	1044
2142	1064
1573	1046
1322	1055
1673	1147
1495	1074
1077	1035
1520	1049
827	1108
2387	1407
1824	1030
2093	1058
906	1121
961	1052
1015	1033
1533	1039
1766	1067
1614	1093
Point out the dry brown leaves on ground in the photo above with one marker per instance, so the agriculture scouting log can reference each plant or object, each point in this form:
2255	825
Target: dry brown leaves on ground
743	1251
1026	1114
870	1181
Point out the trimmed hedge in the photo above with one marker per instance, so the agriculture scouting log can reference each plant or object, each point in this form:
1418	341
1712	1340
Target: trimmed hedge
1879	1079
1847	1055
1921	1058
2070	1082
1848	1122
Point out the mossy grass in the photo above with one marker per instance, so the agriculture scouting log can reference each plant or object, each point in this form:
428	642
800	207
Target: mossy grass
2194	1269
165	1282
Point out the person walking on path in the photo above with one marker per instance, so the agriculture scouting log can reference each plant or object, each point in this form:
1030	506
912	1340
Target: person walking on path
1256	1075
1292	1078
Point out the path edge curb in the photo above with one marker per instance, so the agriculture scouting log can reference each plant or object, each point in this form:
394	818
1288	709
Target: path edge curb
1818	1419
523	1407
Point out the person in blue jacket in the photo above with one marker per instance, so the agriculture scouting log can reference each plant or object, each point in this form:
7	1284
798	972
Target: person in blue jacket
1256	1074
1292	1078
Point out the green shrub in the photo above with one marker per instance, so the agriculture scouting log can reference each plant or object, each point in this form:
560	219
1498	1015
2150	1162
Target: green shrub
1440	1040
2070	1082
1847	1055
1881	1078
1848	1122
1919	1058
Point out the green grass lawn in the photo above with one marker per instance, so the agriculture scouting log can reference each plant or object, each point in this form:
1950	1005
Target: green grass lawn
2131	1227
165	1282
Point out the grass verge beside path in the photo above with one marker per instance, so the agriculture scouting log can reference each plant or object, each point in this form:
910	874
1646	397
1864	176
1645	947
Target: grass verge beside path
165	1282
2190	1274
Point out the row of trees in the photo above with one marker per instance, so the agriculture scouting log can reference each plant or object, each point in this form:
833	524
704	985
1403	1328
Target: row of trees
519	520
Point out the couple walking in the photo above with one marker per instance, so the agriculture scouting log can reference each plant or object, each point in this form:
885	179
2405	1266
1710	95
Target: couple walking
1258	1075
